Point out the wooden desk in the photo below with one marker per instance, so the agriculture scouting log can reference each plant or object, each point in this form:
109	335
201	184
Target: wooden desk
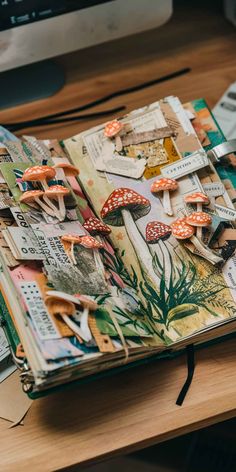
137	408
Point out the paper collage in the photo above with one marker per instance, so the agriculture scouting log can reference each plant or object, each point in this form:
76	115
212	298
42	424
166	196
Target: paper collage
114	244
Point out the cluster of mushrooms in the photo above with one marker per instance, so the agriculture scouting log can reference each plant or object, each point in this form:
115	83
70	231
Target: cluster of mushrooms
49	198
64	306
125	206
94	227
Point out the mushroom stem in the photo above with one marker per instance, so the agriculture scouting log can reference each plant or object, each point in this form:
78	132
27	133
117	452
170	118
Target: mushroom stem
44	207
72	325
167	261
62	208
44	184
118	143
166	203
199	232
50	204
72	254
205	251
84	324
199	206
140	247
155	250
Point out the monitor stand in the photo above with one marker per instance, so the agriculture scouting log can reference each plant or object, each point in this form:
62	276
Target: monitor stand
29	83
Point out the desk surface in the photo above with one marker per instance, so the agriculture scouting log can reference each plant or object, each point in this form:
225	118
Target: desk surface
137	408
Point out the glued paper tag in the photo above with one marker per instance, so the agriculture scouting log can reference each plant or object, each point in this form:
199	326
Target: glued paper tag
19	217
225	212
213	189
22	243
146	136
125	166
40	317
103	341
195	161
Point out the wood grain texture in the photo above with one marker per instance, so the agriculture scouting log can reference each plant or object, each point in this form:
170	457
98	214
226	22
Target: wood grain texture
137	408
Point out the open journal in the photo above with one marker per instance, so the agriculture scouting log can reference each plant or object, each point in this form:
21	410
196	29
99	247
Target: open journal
117	245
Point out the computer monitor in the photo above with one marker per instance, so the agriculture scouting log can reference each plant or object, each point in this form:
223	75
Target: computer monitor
35	30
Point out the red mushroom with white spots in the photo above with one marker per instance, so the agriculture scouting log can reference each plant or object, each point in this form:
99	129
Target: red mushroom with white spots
156	233
90	243
165	186
123	207
184	231
96	227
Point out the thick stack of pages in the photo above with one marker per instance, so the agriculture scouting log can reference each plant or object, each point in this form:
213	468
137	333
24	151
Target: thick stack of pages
116	245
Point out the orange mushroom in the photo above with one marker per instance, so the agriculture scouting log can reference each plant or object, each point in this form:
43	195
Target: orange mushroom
72	239
57	192
197	198
34	196
68	169
90	243
64	308
184	231
165	185
112	130
200	220
39	174
84	305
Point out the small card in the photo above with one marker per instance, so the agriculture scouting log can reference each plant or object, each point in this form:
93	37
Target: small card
20	151
225	212
195	161
125	166
22	243
41	319
19	217
213	189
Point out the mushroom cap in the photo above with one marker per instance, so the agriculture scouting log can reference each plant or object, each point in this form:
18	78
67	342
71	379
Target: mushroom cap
69	170
112	128
199	218
197	197
71	238
86	302
164	184
156	230
56	191
96	226
124	198
182	231
179	221
57	305
30	195
38	173
90	243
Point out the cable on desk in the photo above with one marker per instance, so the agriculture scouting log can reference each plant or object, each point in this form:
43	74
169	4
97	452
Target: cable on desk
29	124
47	119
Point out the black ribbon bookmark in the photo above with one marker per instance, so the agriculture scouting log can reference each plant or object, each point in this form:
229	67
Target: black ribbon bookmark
188	381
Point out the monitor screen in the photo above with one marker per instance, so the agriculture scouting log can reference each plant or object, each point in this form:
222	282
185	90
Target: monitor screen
20	12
